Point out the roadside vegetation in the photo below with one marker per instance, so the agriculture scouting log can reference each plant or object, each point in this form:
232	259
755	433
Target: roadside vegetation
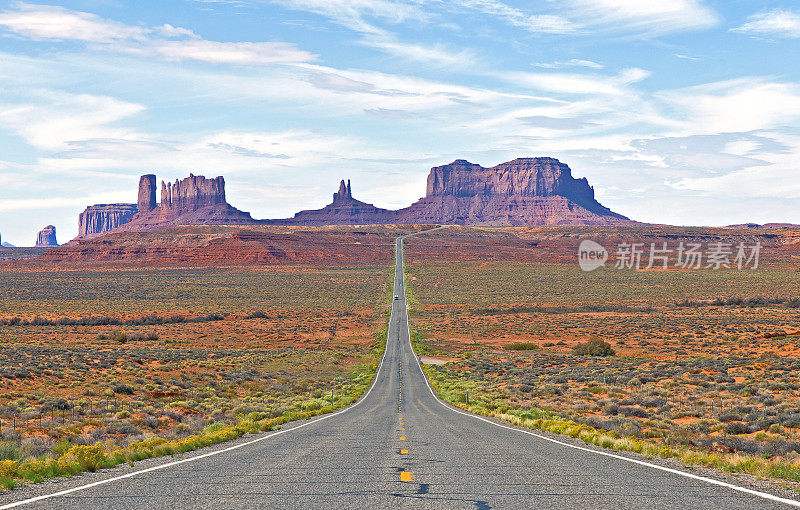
700	366
128	365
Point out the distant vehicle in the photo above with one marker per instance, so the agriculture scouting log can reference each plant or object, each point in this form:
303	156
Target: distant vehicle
397	298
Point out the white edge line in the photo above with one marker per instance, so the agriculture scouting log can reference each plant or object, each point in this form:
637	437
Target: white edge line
752	492
230	448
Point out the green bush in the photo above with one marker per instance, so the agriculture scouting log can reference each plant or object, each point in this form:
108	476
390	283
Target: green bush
593	347
523	346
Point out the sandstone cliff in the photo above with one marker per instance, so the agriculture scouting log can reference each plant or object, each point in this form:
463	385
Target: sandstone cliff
194	200
97	219
147	193
526	191
46	237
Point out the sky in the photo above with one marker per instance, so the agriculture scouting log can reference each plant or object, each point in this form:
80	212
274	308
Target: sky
683	112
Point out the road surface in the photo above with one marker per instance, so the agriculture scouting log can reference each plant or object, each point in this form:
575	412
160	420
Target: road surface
399	447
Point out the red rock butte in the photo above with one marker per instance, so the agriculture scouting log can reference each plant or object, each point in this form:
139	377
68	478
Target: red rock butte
526	191
46	237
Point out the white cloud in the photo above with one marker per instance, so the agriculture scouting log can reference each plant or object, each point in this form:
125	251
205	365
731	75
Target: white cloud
40	22
168	30
239	53
351	12
575	62
355	14
576	83
537	23
643	18
51	120
431	54
776	23
742	105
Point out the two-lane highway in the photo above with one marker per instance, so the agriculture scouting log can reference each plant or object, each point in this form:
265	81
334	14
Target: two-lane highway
398	447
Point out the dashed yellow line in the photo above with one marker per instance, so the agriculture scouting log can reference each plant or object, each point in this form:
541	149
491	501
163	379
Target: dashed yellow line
403	452
402	438
406	476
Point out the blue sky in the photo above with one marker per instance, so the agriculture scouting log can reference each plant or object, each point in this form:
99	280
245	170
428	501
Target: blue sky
685	113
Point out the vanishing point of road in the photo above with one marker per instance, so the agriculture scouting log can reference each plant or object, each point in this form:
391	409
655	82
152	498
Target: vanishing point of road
398	447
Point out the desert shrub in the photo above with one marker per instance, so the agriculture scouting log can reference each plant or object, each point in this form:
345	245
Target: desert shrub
736	427
10	451
123	389
594	347
523	346
89	457
638	412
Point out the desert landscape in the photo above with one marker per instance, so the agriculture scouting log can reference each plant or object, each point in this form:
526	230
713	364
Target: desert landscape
131	341
462	254
132	354
697	361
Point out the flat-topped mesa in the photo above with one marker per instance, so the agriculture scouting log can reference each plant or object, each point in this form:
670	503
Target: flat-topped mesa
46	237
527	177
96	219
525	191
192	193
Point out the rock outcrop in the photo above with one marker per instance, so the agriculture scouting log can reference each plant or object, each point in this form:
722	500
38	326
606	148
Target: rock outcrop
526	191
46	237
192	193
194	200
147	193
97	219
344	210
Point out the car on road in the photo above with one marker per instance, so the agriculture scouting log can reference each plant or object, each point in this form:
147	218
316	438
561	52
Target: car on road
396	297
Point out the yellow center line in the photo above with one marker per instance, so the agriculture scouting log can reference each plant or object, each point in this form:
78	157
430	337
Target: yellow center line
403	438
406	476
403	452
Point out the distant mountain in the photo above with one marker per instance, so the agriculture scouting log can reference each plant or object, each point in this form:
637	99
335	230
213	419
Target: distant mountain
7	245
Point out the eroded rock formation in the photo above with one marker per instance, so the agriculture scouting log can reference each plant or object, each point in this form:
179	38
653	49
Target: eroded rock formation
344	210
192	193
526	191
46	237
194	200
97	219
147	193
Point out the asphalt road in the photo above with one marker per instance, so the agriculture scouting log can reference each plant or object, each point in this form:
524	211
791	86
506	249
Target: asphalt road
399	447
